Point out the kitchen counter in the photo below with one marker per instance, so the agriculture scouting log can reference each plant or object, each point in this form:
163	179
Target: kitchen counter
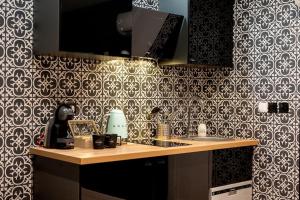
84	156
136	171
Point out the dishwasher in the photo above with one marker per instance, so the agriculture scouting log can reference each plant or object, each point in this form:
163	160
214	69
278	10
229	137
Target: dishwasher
236	191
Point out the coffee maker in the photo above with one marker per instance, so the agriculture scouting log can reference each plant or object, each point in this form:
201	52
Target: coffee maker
58	134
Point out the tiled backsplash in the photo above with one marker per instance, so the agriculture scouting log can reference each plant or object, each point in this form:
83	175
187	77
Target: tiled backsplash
149	4
135	86
266	68
31	87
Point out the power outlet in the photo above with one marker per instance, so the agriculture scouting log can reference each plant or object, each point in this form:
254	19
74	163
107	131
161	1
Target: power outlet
283	107
272	108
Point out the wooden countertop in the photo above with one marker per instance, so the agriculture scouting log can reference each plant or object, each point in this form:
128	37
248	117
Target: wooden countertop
83	156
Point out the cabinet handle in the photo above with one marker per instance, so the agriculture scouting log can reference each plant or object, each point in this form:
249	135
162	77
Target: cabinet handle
192	60
148	164
161	162
232	192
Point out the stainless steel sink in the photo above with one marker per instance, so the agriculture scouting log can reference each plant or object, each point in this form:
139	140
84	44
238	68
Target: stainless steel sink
207	138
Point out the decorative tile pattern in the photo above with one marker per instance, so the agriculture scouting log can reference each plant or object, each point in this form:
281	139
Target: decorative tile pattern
231	166
149	4
266	68
31	87
210	31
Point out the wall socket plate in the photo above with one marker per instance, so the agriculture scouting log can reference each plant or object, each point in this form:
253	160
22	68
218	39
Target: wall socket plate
272	107
283	107
263	107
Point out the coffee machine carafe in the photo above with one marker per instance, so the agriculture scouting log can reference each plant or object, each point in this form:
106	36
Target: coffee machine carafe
58	134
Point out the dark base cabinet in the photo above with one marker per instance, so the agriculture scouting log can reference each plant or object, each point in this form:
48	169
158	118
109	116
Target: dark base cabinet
145	179
231	166
53	179
178	177
189	176
132	179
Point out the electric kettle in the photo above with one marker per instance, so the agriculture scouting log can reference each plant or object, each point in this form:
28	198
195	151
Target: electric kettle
116	123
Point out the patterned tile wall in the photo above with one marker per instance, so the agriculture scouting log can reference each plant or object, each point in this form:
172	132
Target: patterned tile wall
211	31
266	67
150	4
30	88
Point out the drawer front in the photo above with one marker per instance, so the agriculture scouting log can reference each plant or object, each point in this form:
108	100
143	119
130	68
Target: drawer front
92	195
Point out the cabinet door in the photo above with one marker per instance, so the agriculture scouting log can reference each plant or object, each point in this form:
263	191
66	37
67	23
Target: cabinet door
189	176
211	32
54	179
145	179
92	195
231	166
150	178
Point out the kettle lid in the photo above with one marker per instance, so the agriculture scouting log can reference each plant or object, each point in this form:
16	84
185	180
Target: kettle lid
116	111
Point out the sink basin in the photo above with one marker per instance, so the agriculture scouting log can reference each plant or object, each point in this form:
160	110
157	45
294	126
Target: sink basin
207	138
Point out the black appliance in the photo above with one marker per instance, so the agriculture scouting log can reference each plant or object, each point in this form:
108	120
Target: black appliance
103	27
58	134
159	143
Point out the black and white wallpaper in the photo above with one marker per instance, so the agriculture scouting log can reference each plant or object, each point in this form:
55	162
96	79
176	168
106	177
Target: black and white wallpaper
149	4
211	32
266	68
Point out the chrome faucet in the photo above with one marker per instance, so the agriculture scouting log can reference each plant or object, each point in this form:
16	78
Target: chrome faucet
189	113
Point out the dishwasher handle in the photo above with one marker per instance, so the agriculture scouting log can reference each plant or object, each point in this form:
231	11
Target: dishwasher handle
237	191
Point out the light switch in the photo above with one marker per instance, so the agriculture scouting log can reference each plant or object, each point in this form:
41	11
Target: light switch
263	107
272	108
283	107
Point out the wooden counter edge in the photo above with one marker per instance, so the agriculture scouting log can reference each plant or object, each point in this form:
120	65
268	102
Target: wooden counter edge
145	154
65	158
168	151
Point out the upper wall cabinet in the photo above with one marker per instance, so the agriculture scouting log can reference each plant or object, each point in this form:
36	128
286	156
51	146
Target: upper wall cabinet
103	27
207	32
81	26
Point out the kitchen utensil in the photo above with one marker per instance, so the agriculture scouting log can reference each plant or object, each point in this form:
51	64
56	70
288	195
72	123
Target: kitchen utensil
116	123
163	131
155	110
153	113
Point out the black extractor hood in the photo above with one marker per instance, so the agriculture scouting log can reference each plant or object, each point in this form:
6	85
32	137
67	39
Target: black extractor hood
103	27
